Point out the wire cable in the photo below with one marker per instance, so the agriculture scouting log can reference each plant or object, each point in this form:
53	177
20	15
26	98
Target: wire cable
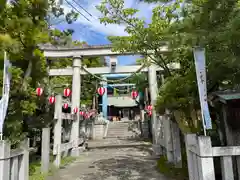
83	8
70	4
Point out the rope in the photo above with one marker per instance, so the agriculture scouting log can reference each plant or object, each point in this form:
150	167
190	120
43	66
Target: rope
118	80
121	90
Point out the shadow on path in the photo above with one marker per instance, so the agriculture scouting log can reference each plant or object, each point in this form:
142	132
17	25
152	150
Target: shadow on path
123	168
133	163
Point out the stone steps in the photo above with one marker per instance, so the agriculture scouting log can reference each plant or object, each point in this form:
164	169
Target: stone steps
119	130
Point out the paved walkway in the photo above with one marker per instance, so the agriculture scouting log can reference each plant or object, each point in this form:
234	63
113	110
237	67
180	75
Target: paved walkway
113	163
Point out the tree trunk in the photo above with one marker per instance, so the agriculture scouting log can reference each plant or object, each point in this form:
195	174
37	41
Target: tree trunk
27	75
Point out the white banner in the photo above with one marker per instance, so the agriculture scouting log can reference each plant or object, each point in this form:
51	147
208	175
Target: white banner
5	93
200	64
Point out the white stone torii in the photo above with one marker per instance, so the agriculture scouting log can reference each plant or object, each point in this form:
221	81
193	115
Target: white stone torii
77	53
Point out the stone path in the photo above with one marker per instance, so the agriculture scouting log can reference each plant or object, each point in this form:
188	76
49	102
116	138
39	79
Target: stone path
113	163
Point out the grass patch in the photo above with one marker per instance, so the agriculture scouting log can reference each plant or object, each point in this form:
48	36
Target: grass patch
67	160
35	168
169	170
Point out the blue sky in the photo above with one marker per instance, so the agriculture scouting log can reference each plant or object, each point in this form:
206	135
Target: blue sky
95	33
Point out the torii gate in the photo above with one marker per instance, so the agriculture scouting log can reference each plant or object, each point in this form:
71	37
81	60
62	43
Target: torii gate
77	53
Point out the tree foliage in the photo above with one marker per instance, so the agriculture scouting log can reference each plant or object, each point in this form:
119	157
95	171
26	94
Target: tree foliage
26	24
211	24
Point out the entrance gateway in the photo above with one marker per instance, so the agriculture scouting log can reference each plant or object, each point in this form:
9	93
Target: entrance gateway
78	53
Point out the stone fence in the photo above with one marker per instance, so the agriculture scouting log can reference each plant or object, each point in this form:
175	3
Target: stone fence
14	163
165	135
200	154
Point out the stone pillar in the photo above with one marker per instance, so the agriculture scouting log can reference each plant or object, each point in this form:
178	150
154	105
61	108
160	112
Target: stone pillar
104	99
24	164
144	125
153	87
168	137
76	91
205	158
45	155
57	131
4	160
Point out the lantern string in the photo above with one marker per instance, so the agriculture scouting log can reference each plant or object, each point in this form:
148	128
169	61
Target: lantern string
120	90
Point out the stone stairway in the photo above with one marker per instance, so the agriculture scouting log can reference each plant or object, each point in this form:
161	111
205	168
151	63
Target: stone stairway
120	129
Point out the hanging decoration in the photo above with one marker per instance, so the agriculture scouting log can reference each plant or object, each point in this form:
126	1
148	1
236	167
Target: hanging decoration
149	107
134	94
66	92
39	91
75	110
150	113
101	91
65	105
87	115
51	99
81	113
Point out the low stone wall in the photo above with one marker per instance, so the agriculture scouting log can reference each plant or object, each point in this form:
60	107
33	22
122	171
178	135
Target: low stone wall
89	129
98	131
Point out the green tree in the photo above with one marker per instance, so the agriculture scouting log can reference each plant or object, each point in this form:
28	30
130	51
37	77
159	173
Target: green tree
24	26
211	24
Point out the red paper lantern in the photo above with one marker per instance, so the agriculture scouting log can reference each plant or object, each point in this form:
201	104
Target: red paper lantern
87	115
65	105
149	107
101	91
150	113
51	99
75	110
134	94
39	91
81	113
66	92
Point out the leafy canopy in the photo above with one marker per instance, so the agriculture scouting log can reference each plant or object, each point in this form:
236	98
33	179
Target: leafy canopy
182	25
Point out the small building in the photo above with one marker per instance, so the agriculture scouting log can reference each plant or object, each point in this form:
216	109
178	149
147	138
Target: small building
117	103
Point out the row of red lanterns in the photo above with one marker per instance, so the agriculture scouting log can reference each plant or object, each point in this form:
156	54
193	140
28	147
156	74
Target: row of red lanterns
75	111
101	91
66	92
52	99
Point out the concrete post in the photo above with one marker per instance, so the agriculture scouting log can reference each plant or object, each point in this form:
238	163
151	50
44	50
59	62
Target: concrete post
168	137
176	144
206	166
57	131
153	87
227	168
76	91
45	155
24	164
4	160
191	140
104	100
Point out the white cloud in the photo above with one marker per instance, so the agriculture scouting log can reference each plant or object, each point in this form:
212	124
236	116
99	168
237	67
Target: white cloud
95	25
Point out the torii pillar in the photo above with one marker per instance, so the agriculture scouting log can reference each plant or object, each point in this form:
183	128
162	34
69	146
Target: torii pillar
153	87
76	91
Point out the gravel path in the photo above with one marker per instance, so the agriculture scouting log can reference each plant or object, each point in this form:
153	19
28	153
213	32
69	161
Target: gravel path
112	163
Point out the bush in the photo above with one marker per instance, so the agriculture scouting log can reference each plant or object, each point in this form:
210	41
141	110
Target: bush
169	170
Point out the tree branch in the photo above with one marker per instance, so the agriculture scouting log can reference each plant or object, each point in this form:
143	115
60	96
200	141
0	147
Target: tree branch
146	44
